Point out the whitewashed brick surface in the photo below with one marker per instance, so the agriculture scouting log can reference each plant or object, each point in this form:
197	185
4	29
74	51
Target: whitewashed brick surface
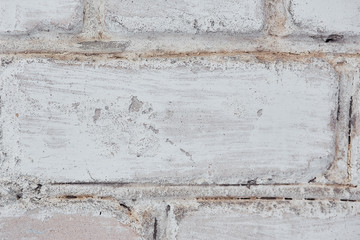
183	119
189	121
60	226
272	220
21	17
355	132
327	17
184	16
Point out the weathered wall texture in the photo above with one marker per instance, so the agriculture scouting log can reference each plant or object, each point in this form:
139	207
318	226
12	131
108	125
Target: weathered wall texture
233	119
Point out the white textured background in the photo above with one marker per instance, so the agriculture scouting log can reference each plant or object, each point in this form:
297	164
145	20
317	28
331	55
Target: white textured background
234	119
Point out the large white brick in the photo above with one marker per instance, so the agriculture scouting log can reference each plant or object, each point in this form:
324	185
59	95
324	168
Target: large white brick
184	16
178	121
272	220
61	226
354	124
20	17
328	17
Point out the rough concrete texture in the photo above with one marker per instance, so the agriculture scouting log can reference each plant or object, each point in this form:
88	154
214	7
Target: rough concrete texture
179	119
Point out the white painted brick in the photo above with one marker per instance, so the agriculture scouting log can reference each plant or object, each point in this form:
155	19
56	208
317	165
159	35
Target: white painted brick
328	17
354	124
272	220
177	121
21	17
59	226
184	16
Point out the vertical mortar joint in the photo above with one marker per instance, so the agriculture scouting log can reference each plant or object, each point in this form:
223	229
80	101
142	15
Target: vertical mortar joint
349	139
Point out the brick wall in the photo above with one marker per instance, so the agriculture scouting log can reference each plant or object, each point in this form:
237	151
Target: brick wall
233	119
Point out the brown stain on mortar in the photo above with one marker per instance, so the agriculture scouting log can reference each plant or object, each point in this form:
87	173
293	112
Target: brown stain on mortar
260	55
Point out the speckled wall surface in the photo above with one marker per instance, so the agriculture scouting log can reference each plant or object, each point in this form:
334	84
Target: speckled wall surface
233	119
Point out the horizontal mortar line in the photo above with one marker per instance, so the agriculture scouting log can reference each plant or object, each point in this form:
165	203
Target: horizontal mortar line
248	185
229	198
131	41
73	197
172	54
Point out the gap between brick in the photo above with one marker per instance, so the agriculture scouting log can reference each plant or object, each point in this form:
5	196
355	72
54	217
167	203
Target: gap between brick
229	198
208	199
349	140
